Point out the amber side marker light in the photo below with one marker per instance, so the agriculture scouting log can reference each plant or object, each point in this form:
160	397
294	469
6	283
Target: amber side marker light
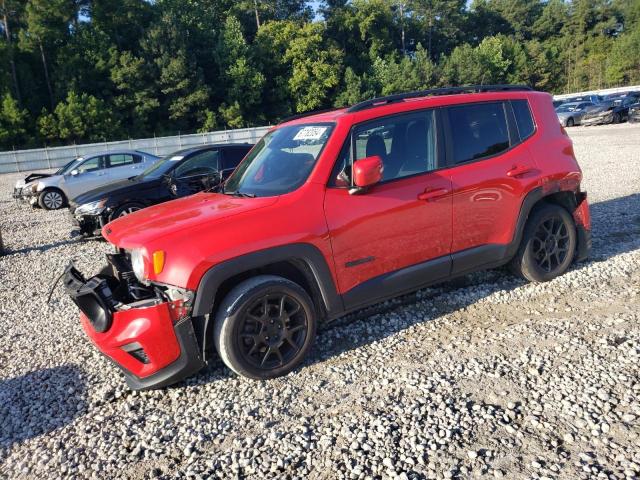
158	261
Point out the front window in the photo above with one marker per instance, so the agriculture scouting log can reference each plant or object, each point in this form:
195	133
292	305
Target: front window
69	166
281	162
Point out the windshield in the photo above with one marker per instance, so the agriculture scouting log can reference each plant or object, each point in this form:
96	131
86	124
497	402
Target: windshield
281	161
162	166
69	166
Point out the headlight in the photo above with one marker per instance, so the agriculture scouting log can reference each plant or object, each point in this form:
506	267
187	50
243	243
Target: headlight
137	263
93	208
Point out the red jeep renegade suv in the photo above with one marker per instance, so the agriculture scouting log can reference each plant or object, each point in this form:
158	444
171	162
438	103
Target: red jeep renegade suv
331	212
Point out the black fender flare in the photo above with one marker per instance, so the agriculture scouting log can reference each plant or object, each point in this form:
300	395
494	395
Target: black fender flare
307	253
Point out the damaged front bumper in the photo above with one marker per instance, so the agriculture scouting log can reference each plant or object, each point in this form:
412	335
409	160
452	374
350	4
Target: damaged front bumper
149	336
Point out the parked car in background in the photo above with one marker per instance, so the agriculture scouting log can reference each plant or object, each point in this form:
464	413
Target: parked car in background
585	98
25	188
81	175
570	114
329	213
182	173
615	110
619	96
634	112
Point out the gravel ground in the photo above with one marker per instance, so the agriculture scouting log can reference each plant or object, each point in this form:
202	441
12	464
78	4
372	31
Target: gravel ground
483	377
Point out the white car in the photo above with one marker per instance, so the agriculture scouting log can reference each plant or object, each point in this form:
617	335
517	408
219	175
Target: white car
53	191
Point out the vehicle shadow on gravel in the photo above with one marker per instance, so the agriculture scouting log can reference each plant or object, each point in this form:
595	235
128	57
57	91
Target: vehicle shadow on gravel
39	402
42	248
616	230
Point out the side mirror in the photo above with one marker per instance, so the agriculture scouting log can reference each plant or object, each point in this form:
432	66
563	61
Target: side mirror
367	172
74	172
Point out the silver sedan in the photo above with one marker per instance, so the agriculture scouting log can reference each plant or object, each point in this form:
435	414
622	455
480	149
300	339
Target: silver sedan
53	191
570	114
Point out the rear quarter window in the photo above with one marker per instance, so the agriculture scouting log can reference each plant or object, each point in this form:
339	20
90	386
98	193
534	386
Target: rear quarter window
524	119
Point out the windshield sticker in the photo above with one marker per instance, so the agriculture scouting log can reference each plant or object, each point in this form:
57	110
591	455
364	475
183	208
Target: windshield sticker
310	133
177	158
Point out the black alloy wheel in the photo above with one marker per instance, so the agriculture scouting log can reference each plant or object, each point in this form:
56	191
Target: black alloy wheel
273	331
264	327
550	244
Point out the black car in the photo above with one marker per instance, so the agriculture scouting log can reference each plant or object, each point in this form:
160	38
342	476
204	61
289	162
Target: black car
177	175
614	109
634	112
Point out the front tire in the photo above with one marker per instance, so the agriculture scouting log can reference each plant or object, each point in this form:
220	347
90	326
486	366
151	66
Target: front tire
570	122
126	209
264	327
548	244
51	199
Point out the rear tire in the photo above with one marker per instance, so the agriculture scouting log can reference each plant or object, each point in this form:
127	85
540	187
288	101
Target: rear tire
548	244
264	327
51	199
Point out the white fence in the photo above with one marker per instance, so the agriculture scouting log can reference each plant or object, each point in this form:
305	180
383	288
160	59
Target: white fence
46	158
604	91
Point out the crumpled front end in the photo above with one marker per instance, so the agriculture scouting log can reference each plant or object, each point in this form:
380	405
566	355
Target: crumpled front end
146	330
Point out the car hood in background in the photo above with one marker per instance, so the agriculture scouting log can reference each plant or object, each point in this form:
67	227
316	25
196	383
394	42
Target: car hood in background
116	189
31	177
179	215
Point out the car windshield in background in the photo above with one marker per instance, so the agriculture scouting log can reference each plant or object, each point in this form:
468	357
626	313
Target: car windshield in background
281	161
162	166
69	166
569	108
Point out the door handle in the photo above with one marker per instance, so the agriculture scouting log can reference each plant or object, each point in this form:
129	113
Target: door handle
430	195
518	170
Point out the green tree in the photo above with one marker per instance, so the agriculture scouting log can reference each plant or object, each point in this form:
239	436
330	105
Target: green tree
315	68
242	82
80	117
13	123
47	26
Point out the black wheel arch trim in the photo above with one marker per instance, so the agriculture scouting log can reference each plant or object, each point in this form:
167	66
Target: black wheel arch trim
307	253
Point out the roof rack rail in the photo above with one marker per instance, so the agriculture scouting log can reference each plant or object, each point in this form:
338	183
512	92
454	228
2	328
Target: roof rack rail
306	114
374	102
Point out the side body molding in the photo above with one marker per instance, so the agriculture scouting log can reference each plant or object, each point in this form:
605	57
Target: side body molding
308	254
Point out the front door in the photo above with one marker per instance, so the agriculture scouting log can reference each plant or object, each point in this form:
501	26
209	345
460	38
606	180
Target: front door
397	235
88	175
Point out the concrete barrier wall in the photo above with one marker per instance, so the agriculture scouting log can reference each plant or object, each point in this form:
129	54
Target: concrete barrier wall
47	158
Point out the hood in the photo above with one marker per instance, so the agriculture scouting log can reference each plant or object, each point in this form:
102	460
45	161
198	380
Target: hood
179	215
115	189
31	178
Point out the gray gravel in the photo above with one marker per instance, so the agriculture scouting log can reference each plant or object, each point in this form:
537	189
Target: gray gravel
483	377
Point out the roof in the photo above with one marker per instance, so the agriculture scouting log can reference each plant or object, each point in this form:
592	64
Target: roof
332	115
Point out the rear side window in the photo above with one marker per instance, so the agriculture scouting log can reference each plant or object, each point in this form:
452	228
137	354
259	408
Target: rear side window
232	157
120	160
478	131
524	120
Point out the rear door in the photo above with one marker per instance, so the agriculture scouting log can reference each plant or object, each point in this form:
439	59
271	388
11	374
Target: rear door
122	165
491	172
